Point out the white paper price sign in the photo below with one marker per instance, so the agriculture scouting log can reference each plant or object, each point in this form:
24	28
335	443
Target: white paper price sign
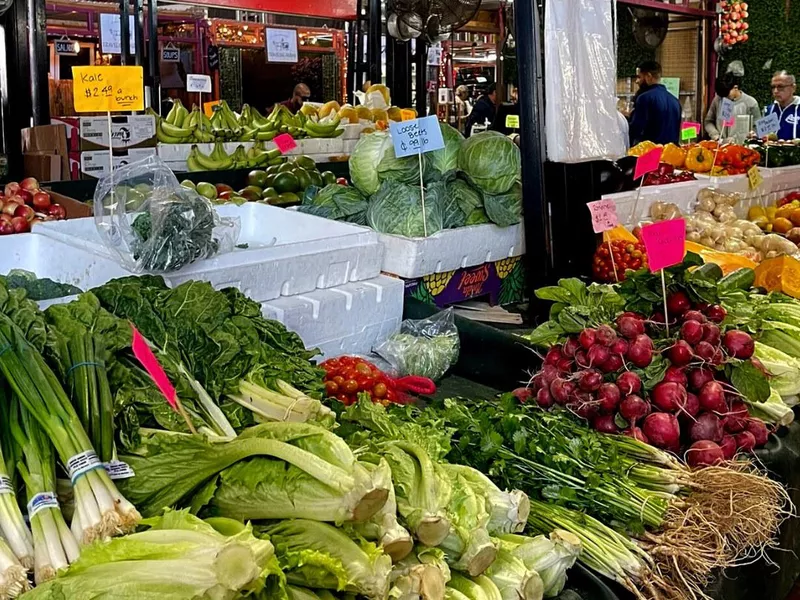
198	83
767	125
416	136
726	110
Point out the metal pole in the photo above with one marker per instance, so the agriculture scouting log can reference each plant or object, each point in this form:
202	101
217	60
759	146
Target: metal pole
124	32
351	59
39	61
359	61
374	42
538	235
138	32
152	55
421	59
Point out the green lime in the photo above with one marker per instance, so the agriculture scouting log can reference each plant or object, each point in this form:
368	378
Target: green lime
286	167
328	177
316	178
270	192
306	162
285	199
286	182
303	178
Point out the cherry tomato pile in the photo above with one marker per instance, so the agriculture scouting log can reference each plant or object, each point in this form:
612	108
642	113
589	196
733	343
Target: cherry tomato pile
627	255
348	376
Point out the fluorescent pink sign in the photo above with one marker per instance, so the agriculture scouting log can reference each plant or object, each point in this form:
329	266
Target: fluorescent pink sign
647	162
145	356
664	242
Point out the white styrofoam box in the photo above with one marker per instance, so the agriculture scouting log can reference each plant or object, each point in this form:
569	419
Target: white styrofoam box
287	252
349	146
784	179
450	249
352	131
180	152
179	166
53	259
364	312
361	342
630	213
310	146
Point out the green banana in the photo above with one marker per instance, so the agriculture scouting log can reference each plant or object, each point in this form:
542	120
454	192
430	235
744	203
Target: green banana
180	114
318	130
208	163
239	158
266	136
247	135
172	115
218	153
257	119
246	117
169	137
191	160
336	133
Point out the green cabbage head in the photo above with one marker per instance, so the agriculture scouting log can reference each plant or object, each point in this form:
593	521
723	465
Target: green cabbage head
397	209
491	160
373	161
445	159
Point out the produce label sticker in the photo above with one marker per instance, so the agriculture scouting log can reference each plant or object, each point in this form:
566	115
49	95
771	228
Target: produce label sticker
406	114
726	111
664	242
755	178
5	485
198	83
604	215
769	124
40	502
107	89
690	131
117	469
647	162
148	360
209	107
512	121
285	142
82	463
416	136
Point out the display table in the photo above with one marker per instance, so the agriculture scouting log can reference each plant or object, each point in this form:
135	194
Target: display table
503	361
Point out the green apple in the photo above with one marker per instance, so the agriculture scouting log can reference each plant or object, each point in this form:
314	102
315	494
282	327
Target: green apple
207	189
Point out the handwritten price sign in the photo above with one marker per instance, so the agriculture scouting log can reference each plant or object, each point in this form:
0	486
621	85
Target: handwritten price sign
108	89
664	242
604	215
754	177
416	136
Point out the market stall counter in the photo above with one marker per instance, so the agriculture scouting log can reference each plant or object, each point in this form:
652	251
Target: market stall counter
504	360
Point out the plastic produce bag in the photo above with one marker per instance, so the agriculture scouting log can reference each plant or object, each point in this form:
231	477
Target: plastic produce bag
152	223
425	348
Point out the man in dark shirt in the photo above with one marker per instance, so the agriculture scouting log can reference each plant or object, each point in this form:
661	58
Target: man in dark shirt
656	112
483	110
301	95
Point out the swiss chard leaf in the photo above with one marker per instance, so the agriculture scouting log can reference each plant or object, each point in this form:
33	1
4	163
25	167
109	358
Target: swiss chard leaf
749	380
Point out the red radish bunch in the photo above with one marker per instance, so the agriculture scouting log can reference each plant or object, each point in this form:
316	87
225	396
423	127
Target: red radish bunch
733	29
692	411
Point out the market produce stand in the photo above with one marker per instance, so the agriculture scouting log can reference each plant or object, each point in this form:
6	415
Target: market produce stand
503	360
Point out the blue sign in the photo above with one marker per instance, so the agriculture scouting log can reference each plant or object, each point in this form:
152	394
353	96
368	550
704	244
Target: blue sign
726	110
767	125
416	136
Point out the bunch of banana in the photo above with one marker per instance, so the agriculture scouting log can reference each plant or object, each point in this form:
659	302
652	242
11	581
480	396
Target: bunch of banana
256	126
218	160
323	129
201	126
175	128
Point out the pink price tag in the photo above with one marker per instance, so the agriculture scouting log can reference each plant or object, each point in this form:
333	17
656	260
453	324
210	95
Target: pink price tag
604	215
730	123
145	356
664	242
285	142
647	162
691	125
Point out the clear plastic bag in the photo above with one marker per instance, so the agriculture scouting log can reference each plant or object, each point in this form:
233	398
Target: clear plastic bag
426	348
152	223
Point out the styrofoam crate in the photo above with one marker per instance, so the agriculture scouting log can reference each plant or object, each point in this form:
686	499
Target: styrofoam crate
178	166
361	342
450	249
349	146
367	308
53	259
630	213
287	252
784	179
352	131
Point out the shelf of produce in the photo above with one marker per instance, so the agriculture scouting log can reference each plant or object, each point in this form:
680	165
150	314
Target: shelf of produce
503	361
287	253
347	319
450	249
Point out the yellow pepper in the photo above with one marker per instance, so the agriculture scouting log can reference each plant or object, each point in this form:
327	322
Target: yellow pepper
674	155
641	148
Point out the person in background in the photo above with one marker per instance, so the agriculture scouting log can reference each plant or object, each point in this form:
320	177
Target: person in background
463	106
513	97
300	95
483	110
656	113
743	104
786	104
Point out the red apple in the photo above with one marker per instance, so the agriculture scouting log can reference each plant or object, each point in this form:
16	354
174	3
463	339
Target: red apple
30	184
11	188
6	227
225	194
57	211
20	225
24	196
10	207
41	200
25	211
223	187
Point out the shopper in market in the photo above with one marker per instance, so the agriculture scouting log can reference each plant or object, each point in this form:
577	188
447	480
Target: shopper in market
656	113
743	105
483	111
463	106
301	94
786	104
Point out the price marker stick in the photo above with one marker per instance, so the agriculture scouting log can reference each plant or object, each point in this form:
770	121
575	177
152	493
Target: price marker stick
613	264
422	195
110	157
638	195
664	292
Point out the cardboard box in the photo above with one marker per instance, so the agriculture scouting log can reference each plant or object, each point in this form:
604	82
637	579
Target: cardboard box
74	165
127	131
44	151
75	209
95	163
73	131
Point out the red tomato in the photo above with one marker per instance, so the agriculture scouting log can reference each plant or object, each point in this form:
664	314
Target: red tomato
331	388
350	386
339	380
380	390
342	181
